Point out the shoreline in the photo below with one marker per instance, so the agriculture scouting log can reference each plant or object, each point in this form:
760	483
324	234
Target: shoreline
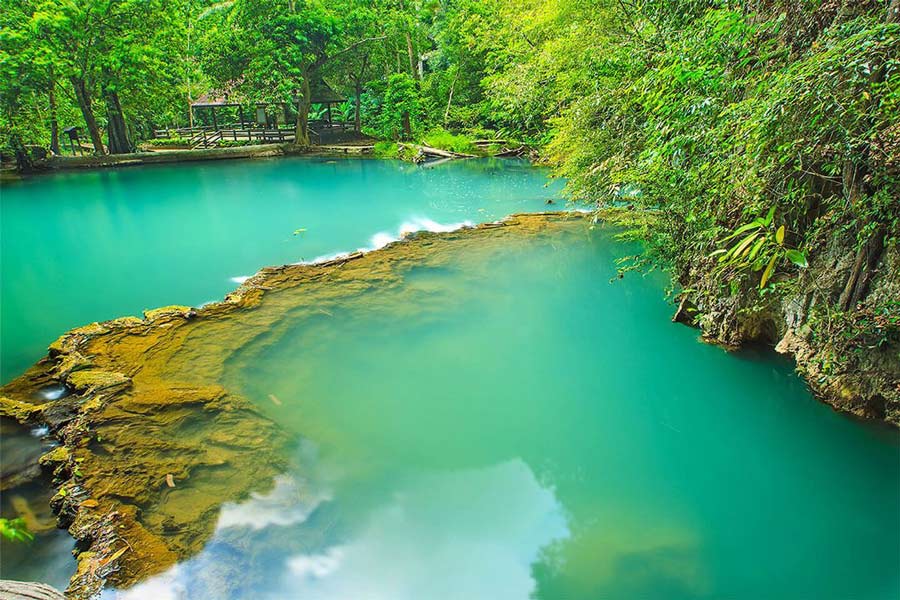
106	161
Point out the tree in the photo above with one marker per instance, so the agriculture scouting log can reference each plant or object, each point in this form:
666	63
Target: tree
105	48
284	46
401	107
29	69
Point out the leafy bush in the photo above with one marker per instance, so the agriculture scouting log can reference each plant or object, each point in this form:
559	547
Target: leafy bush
385	150
398	113
234	143
444	140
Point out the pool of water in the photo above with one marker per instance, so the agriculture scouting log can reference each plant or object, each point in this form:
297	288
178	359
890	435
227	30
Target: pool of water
83	247
511	424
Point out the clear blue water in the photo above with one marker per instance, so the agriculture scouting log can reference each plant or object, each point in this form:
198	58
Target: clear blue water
507	425
82	247
511	425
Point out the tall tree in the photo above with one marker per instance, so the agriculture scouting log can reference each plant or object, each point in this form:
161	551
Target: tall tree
28	69
284	46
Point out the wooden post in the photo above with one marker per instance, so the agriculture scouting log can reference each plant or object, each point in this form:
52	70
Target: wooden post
215	123
330	122
241	113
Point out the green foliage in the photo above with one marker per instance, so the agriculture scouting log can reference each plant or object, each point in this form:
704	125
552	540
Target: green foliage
713	116
15	530
758	246
444	140
385	150
233	143
399	106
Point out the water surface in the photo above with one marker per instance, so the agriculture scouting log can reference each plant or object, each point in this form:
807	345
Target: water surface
48	557
90	246
512	425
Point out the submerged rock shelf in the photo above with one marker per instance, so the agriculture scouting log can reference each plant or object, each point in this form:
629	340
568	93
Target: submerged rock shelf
151	443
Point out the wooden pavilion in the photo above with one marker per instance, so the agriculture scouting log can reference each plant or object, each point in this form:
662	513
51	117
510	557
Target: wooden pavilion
263	115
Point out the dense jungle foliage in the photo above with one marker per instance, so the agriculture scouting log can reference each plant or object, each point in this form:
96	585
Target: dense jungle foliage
763	134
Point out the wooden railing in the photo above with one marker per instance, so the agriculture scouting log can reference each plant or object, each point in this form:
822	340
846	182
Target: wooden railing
208	137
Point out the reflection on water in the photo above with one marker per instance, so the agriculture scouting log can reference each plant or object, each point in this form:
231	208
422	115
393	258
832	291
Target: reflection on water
517	407
466	534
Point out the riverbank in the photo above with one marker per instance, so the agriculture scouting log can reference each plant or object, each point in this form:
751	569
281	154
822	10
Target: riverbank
850	356
63	163
445	148
418	154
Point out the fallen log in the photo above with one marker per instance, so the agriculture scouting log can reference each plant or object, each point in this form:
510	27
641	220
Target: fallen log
511	151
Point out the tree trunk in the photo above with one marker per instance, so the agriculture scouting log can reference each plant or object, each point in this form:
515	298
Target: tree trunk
409	48
84	103
407	128
412	57
117	130
301	132
54	123
357	121
867	258
24	163
450	98
358	84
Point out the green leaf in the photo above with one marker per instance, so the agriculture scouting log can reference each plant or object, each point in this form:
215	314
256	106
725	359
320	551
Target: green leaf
797	257
755	224
769	216
744	247
768	272
15	530
779	235
756	248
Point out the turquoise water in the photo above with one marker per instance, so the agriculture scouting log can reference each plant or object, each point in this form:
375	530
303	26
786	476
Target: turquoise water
82	247
512	425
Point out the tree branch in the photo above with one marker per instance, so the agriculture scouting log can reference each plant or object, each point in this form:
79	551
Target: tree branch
325	58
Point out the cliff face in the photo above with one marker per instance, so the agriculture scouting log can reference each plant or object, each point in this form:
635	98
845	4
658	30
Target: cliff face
850	358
